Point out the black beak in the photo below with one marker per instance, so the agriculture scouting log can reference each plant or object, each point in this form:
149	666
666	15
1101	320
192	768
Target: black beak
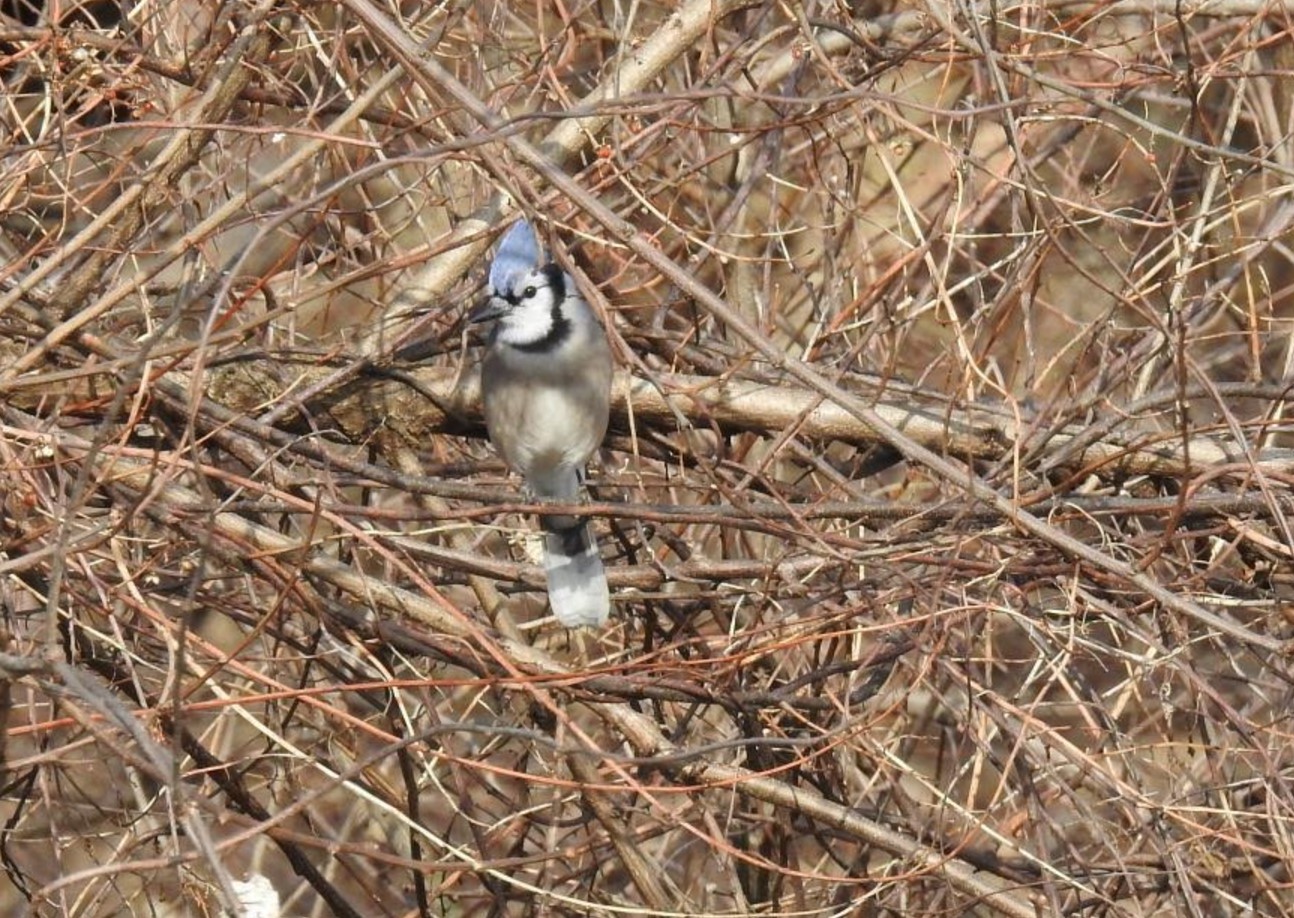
492	308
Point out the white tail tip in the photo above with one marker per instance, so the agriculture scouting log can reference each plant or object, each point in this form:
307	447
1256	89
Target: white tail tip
577	584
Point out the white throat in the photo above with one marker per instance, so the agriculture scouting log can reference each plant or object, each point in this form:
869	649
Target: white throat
528	323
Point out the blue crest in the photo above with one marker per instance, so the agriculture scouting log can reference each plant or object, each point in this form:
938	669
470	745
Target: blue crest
517	254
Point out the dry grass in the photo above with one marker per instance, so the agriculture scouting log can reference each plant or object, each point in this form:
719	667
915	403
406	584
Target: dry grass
947	508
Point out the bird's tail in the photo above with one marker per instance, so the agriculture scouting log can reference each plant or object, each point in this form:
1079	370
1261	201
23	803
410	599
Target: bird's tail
577	584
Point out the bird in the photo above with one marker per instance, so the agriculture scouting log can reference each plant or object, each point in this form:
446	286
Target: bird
546	389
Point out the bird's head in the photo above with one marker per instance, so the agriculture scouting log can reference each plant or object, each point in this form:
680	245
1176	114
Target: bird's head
525	296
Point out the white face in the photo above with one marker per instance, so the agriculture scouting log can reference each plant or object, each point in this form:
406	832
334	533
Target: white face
528	317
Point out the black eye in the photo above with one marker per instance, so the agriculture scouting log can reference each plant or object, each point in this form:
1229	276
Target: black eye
529	291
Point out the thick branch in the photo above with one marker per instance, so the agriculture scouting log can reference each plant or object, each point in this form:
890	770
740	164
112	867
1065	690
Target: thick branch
435	399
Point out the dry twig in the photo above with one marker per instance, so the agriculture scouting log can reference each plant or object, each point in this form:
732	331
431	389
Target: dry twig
947	506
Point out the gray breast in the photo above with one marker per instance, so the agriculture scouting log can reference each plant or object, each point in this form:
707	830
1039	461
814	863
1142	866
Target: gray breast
547	412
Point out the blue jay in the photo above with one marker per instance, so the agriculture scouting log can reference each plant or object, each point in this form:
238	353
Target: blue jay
546	384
